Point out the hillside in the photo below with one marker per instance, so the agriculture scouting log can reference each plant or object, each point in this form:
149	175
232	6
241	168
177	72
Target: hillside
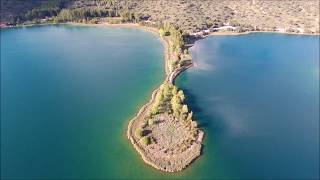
193	15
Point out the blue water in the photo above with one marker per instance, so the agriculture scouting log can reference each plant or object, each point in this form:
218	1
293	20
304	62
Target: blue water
257	98
68	92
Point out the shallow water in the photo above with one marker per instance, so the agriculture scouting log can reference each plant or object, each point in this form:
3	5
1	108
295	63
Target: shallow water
257	98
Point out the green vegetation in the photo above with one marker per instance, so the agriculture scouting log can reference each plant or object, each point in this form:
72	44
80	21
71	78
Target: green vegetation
170	99
86	14
41	13
60	11
184	109
186	16
150	122
138	133
31	11
176	41
145	140
189	117
161	32
82	14
175	35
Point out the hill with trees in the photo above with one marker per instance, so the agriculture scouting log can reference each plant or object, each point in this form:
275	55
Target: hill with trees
190	16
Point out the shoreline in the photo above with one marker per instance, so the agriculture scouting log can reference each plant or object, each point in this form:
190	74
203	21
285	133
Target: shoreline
154	30
231	33
169	77
145	108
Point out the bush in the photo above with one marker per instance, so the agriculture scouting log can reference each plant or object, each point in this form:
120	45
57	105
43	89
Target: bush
174	90
139	133
181	96
184	109
155	109
145	141
150	122
189	118
173	64
161	32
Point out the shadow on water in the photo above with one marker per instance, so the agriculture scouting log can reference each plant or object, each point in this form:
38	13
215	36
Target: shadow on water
210	121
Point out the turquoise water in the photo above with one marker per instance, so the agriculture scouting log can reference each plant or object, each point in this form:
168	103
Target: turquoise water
68	92
257	98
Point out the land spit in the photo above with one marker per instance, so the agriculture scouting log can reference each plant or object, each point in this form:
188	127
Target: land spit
173	143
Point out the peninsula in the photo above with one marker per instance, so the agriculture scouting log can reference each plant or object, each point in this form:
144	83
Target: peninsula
164	131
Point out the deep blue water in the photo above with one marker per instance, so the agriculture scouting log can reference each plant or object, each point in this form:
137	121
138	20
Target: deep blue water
257	98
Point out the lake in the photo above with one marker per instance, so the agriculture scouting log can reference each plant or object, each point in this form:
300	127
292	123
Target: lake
68	93
257	98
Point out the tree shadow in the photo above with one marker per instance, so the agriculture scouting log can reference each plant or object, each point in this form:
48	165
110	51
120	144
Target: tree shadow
146	132
205	119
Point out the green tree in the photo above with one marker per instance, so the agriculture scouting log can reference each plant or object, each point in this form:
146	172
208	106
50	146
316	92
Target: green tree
184	109
159	97
145	140
174	90
176	105
162	32
155	109
189	118
165	89
150	122
138	133
181	96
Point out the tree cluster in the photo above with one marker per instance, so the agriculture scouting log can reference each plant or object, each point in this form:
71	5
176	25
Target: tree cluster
170	99
84	14
41	13
176	37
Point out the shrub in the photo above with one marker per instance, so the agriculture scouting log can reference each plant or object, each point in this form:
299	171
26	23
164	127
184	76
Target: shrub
173	64
155	109
161	32
145	141
166	89
185	109
181	95
150	122
189	118
174	90
139	133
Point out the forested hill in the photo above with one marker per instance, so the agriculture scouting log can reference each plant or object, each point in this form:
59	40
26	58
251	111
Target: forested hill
12	9
188	15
